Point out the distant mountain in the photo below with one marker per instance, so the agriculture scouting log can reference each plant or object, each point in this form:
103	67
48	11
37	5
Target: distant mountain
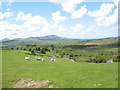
35	40
53	39
5	39
49	37
17	39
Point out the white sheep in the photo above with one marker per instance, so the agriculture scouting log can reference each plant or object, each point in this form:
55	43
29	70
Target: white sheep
52	60
42	59
27	58
37	58
73	60
109	61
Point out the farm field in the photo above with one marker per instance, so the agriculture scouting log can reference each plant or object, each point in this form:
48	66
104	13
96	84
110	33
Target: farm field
63	74
62	44
0	69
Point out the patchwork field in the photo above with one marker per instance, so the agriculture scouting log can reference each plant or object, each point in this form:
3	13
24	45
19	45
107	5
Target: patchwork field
63	74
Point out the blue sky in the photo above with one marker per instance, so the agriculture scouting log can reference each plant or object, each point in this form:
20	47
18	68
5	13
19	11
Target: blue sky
71	18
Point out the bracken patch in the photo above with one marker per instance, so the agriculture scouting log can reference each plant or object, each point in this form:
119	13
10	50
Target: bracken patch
29	83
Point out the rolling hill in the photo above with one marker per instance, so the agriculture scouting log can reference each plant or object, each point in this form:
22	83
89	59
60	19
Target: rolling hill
53	39
48	37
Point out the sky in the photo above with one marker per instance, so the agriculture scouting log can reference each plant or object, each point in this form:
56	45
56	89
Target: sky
66	18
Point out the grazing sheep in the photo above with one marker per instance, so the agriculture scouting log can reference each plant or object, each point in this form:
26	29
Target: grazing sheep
109	61
52	60
42	59
37	58
27	58
73	60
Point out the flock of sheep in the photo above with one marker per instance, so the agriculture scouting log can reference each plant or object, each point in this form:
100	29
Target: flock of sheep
42	59
54	60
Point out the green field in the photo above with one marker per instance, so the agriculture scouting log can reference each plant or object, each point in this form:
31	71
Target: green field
64	74
0	69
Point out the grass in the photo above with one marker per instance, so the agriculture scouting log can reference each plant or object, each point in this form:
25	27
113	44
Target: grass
0	69
64	74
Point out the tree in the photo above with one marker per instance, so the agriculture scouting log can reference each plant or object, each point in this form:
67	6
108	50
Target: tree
116	59
102	53
33	52
56	51
24	49
43	52
38	49
61	55
52	47
70	55
12	48
30	49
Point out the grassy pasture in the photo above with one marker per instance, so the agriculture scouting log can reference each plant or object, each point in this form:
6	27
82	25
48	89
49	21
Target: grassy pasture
0	69
64	74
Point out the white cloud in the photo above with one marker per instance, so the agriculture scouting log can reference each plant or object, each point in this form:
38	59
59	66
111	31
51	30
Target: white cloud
67	5
100	19
104	10
19	16
7	29
31	26
58	1
3	22
56	17
8	9
22	16
91	28
6	14
116	2
79	13
115	27
110	20
103	16
38	26
70	5
77	28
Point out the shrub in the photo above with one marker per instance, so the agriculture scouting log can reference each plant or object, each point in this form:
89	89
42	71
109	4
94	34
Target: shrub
43	52
116	59
33	52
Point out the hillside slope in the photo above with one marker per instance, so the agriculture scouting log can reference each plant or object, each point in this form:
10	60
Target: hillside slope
53	39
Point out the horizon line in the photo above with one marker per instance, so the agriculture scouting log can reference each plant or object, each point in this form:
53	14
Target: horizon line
64	37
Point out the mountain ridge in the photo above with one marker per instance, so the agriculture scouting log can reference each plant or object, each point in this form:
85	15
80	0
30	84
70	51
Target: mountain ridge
54	39
50	37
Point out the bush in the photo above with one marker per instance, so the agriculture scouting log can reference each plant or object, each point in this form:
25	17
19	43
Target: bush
43	52
70	55
30	49
116	59
33	52
97	60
